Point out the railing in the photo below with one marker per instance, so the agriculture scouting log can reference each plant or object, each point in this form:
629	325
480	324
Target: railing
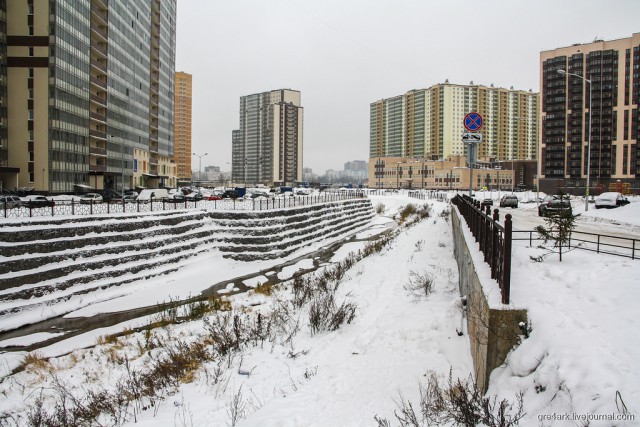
494	239
429	195
599	243
73	207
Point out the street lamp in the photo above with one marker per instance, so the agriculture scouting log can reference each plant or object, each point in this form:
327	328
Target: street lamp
199	156
586	191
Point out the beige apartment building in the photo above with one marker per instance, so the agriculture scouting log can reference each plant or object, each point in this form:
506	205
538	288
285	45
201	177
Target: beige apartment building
429	122
182	129
91	94
590	95
267	147
450	173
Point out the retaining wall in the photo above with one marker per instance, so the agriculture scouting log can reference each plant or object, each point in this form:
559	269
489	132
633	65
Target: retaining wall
114	250
493	327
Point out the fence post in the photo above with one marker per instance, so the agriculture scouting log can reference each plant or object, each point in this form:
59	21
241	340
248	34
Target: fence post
494	245
506	260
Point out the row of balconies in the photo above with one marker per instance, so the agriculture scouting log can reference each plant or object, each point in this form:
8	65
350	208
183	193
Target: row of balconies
101	33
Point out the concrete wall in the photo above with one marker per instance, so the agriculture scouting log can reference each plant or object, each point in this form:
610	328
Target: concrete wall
493	328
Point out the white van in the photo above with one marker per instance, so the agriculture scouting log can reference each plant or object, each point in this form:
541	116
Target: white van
157	194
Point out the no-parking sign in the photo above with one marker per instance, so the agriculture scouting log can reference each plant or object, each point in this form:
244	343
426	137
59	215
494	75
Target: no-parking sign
473	122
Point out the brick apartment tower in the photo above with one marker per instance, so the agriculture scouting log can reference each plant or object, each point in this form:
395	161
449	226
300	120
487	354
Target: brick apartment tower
613	68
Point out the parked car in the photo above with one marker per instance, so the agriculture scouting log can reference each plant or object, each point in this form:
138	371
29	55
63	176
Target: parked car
175	198
91	198
152	194
230	194
129	198
37	202
509	201
194	197
214	197
554	204
10	202
486	202
611	200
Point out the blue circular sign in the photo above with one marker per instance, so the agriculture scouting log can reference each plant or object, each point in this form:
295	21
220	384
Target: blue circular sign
473	122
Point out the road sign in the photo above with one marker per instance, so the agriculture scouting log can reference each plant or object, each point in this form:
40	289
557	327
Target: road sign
471	138
473	122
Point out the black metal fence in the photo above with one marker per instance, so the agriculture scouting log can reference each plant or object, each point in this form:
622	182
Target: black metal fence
494	239
72	207
600	243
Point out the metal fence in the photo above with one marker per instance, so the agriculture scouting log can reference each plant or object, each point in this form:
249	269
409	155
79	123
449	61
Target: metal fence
72	207
599	243
494	239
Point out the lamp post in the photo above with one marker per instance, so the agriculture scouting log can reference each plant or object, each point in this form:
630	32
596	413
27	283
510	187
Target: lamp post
199	156
586	191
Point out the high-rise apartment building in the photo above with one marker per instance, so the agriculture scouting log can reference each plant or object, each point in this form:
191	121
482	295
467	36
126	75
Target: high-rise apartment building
267	148
182	128
594	103
429	122
91	93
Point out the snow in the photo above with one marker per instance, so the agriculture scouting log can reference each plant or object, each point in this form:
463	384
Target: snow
581	356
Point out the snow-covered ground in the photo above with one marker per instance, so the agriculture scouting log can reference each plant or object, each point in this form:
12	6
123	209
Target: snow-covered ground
581	356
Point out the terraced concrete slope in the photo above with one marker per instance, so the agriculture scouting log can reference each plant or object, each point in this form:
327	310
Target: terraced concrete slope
46	262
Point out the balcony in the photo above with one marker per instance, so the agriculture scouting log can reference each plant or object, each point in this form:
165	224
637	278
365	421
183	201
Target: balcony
99	99
101	33
102	84
97	168
99	65
103	4
96	151
153	162
100	14
99	117
98	48
98	134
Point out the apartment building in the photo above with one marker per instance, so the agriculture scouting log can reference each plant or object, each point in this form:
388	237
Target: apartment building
91	94
429	122
182	129
590	94
267	147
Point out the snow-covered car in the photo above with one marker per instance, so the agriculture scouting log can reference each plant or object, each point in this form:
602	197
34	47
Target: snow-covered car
90	198
509	201
610	200
554	205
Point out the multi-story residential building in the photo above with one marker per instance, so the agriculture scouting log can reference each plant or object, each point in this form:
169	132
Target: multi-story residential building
182	128
591	103
91	94
429	122
267	148
5	170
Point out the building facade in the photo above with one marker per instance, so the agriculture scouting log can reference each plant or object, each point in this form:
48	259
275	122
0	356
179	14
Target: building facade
594	104
451	173
182	129
91	98
429	122
267	147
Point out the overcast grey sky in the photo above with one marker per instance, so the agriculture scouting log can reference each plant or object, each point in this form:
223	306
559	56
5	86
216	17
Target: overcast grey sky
343	55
